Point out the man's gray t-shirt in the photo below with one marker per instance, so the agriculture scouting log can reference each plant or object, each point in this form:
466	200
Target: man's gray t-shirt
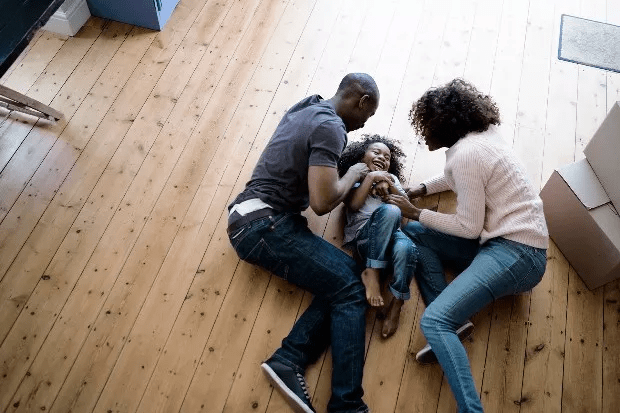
310	133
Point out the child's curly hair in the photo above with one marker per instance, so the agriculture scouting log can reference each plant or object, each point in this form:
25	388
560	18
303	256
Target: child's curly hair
354	152
446	114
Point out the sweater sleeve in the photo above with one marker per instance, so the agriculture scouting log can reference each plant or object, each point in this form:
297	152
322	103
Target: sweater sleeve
469	182
436	184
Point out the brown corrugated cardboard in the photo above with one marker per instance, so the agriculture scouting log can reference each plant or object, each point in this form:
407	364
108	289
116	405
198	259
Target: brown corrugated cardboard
603	154
583	223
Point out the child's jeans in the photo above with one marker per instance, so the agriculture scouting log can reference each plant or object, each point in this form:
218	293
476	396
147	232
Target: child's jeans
381	239
495	269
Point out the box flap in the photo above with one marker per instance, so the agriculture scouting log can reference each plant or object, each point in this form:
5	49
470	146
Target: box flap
602	154
580	177
609	222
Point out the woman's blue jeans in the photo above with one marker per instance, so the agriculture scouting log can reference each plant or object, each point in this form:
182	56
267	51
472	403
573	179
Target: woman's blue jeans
284	245
381	239
495	269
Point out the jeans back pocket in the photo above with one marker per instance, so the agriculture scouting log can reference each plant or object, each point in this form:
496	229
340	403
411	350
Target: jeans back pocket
263	256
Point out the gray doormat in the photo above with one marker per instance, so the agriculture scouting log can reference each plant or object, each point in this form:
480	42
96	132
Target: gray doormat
590	43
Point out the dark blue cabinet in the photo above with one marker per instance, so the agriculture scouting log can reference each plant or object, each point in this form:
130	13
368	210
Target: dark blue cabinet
152	14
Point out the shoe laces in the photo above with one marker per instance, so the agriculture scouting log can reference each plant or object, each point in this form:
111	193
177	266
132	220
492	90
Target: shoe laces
302	382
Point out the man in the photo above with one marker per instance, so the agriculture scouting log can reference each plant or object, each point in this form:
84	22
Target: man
297	169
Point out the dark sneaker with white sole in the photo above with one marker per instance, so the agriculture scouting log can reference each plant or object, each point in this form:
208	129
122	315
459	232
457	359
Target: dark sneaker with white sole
291	384
427	356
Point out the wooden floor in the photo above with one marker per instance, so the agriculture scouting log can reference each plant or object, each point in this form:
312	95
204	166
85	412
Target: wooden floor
119	291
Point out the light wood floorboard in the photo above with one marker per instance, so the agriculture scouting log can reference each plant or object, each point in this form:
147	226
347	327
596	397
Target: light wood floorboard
119	291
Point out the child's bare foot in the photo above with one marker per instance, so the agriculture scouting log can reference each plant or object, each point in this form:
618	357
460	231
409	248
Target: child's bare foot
370	279
390	323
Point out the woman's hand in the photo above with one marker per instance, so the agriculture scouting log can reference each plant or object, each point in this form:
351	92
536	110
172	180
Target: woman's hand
407	209
416	192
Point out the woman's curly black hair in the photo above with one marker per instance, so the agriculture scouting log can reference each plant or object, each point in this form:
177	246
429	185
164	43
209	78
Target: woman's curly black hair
354	152
445	114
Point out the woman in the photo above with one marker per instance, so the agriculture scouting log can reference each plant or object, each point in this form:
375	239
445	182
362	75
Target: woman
498	233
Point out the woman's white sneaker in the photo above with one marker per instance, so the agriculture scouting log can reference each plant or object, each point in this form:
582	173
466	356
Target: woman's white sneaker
427	356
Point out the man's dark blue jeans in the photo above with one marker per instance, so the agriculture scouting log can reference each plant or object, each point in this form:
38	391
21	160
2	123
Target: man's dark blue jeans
284	245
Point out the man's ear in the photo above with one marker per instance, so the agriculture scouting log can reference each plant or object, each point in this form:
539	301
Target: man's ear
363	101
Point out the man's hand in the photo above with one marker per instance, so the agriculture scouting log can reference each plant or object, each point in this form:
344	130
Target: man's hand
358	171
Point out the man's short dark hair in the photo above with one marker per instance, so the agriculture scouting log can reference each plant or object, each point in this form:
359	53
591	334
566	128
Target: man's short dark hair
360	83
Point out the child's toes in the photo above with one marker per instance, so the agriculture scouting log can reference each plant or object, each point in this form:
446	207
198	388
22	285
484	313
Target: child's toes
389	328
376	301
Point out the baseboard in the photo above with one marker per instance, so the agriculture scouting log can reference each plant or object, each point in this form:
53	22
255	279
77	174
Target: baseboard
69	18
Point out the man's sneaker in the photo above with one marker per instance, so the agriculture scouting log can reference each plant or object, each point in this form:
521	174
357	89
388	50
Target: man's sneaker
290	383
427	356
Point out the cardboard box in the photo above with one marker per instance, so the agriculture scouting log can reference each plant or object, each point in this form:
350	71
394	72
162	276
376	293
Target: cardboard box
603	154
583	223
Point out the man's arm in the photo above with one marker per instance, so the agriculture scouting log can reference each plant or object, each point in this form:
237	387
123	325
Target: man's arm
327	190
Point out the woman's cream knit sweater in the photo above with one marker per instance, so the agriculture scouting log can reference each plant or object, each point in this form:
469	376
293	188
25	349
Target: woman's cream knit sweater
494	195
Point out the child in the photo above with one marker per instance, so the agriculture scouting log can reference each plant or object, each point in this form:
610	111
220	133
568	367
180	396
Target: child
373	230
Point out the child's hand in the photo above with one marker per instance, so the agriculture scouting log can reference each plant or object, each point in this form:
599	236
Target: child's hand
378	176
381	189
